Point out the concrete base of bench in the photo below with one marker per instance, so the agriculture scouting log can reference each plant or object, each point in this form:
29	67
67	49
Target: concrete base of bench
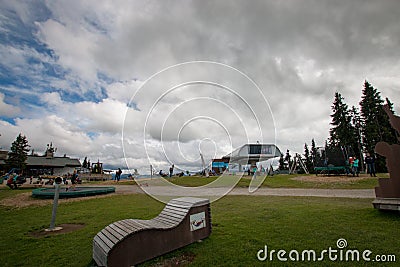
129	242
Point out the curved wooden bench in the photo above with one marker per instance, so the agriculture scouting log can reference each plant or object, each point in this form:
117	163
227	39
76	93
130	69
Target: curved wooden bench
131	241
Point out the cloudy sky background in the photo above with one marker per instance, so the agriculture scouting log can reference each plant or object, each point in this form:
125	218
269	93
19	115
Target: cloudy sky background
94	77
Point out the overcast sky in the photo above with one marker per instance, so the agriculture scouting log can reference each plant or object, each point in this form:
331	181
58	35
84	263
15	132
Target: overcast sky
155	82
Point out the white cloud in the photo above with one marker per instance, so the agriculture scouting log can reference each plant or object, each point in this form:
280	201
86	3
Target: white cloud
52	99
76	53
8	110
123	91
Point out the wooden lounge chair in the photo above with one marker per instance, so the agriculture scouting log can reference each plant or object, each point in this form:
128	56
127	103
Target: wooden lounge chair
128	242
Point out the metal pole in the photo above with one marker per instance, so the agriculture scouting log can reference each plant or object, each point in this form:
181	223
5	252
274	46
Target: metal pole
151	171
55	204
204	165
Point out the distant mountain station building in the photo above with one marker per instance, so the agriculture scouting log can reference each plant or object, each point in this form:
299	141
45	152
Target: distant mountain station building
51	165
47	164
246	157
38	165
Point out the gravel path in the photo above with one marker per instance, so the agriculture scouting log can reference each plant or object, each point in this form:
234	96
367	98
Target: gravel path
170	191
164	193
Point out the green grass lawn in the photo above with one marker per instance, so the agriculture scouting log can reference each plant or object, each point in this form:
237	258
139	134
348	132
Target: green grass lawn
242	225
287	181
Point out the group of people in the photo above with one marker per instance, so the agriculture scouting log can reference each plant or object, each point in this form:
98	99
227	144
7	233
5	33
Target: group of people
171	172
370	162
12	181
354	164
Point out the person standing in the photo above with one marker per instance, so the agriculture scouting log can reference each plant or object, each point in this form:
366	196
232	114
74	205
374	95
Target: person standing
351	161
355	166
171	170
74	178
370	161
118	174
10	181
347	166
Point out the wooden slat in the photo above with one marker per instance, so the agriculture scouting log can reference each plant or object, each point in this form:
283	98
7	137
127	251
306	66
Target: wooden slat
170	218
177	211
105	240
165	224
169	211
114	233
144	223
178	205
99	255
173	215
183	204
138	225
127	227
119	230
151	224
110	236
134	225
177	208
124	227
101	244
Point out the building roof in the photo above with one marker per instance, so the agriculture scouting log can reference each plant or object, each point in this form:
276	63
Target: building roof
52	162
264	150
43	161
253	152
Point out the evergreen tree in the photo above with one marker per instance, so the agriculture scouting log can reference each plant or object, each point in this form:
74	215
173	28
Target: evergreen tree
85	163
314	156
394	136
356	144
370	104
19	153
343	132
375	123
307	158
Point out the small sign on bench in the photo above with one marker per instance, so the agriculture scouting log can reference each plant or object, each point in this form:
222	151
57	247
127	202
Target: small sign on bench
197	221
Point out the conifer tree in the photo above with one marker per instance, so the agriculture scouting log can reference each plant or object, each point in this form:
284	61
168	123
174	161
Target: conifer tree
19	153
342	132
85	163
391	135
314	156
375	123
307	158
356	142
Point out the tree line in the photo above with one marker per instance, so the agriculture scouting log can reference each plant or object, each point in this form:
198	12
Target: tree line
356	130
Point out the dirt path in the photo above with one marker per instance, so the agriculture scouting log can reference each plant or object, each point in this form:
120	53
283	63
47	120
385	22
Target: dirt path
346	193
25	199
